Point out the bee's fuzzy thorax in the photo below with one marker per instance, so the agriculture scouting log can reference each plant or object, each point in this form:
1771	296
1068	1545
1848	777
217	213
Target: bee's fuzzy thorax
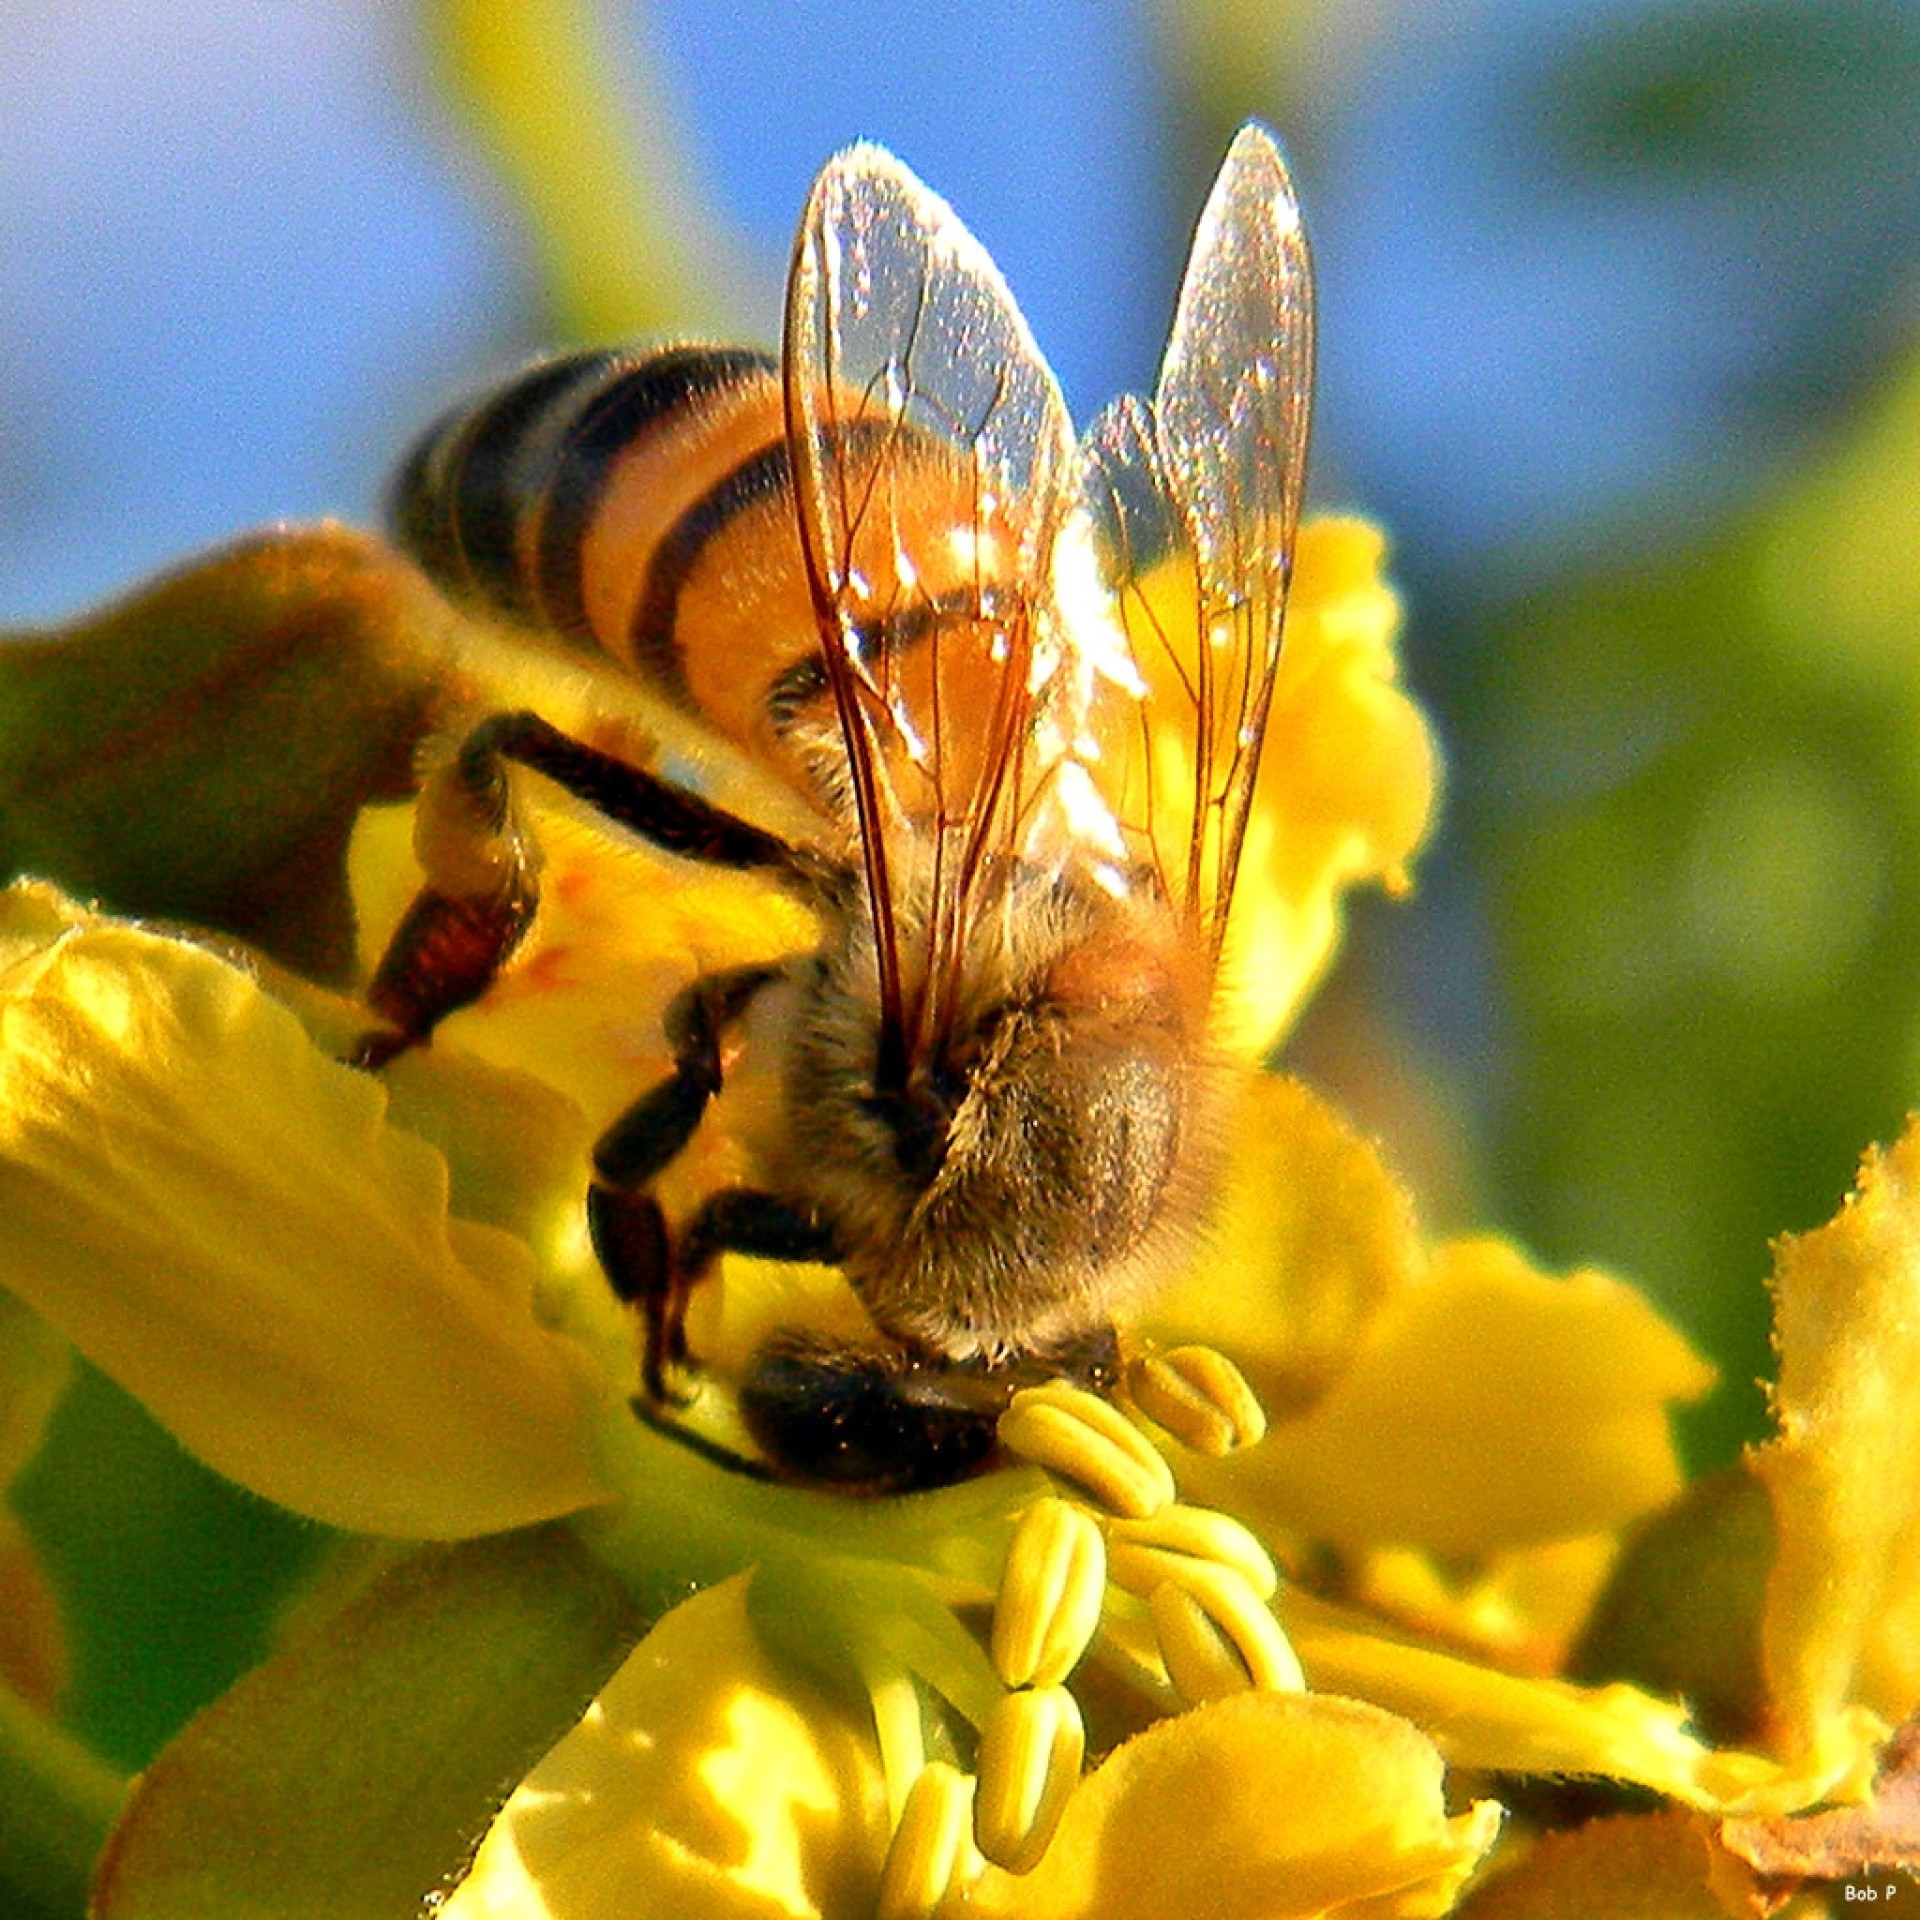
1073	1106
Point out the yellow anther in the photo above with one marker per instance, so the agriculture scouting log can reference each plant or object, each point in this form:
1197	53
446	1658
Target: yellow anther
1200	1397
931	1845
1143	1553
1217	1637
1030	1754
1050	1597
1076	1434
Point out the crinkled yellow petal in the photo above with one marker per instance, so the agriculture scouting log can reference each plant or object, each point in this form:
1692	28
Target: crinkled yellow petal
1483	1718
706	1781
1842	1617
221	1218
1347	782
1314	1235
1492	1407
1262	1806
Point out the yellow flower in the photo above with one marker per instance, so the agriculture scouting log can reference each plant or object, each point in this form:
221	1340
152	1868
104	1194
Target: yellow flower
1469	1438
224	1220
1843	1605
372	1300
1348	781
1266	1805
705	1780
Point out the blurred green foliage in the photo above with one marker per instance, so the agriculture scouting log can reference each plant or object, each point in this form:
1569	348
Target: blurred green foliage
1689	788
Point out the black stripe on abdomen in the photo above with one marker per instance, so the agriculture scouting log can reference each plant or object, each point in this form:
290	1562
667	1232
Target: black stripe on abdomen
653	637
457	503
542	447
652	394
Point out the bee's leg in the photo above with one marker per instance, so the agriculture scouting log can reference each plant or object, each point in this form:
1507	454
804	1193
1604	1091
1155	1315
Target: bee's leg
482	867
735	1220
482	888
675	820
629	1230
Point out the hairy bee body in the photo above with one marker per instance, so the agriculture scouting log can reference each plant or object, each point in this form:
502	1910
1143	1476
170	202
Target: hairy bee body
1052	1161
1030	1172
881	569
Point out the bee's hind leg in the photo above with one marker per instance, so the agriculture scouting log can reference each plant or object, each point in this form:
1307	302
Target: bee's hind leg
643	1263
482	867
464	924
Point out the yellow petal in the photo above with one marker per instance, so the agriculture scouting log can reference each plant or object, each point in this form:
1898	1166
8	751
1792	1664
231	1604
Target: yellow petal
220	1217
706	1781
1347	783
1520	1610
1482	1718
1490	1408
1842	1616
1263	1805
1314	1236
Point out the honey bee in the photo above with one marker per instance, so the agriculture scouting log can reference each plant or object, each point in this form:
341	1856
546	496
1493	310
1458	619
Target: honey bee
885	569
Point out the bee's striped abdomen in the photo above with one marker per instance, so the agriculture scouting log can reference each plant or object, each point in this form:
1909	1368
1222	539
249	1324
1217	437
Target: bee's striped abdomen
644	506
639	504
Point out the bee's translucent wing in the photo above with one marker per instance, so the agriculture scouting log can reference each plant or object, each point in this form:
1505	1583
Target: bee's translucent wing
931	455
1195	500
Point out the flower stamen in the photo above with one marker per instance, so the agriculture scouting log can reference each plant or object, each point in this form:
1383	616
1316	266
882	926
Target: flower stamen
1141	1554
1217	1637
1200	1397
1085	1439
1051	1595
1031	1750
932	1851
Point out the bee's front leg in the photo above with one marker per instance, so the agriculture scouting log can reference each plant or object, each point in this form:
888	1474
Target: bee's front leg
482	866
643	1262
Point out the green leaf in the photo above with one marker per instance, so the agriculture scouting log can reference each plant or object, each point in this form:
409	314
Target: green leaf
198	751
353	1774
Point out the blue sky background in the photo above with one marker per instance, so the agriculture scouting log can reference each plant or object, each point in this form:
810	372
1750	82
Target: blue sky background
242	252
